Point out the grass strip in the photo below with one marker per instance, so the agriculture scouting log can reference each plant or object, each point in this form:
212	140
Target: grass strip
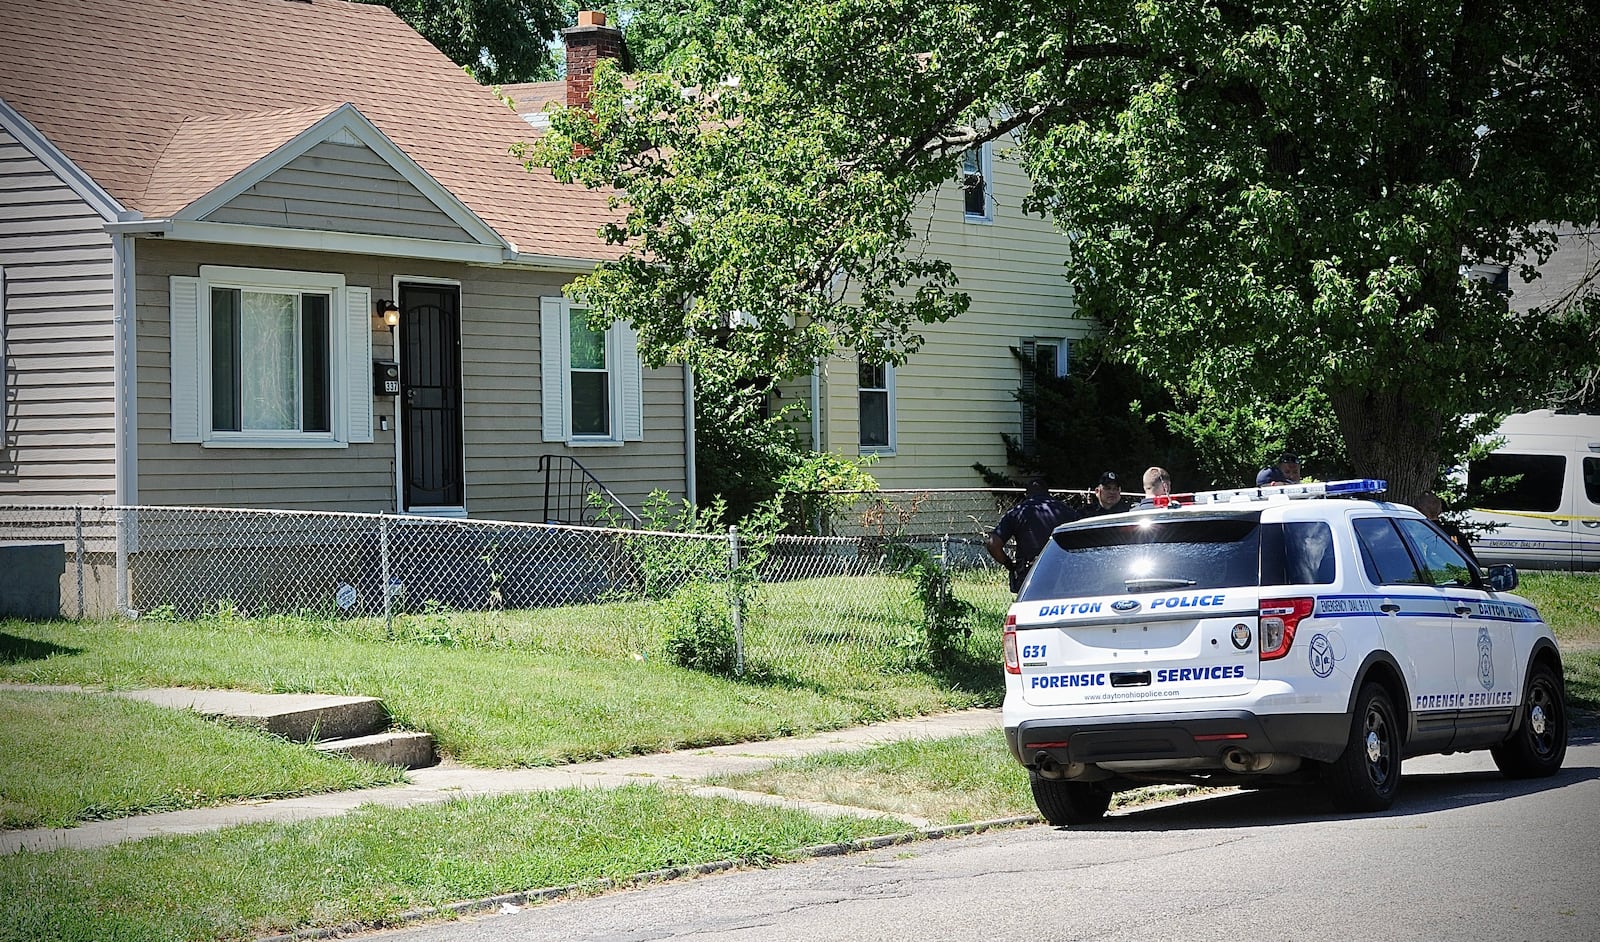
955	780
75	757
374	864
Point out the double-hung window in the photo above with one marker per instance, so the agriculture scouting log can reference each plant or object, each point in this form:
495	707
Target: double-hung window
1041	358
592	382
977	184
875	399
264	358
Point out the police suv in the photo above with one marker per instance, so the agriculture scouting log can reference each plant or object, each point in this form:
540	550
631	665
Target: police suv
1255	637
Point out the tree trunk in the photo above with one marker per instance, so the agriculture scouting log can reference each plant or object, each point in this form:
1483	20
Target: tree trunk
1389	436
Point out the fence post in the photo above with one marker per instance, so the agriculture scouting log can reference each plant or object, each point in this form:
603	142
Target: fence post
388	589
124	595
736	598
77	552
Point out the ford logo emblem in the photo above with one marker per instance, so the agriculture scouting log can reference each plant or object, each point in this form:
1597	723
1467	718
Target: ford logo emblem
1125	605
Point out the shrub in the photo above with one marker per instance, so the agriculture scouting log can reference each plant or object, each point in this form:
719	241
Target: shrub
698	628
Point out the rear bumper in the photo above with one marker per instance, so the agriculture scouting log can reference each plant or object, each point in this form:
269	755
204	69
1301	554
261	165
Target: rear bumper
1180	737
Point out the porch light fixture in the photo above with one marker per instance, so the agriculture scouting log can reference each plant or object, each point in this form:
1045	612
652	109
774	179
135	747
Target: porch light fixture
389	311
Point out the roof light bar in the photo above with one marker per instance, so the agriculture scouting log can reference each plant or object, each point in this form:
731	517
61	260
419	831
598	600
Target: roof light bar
1349	488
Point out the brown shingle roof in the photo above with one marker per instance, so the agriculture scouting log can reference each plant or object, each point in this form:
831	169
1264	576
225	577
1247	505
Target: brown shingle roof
131	90
205	153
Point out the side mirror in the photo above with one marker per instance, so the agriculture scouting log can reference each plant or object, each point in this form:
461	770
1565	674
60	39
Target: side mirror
1503	577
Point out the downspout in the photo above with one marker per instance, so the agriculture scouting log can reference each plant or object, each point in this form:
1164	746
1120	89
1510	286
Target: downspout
125	428
689	482
816	410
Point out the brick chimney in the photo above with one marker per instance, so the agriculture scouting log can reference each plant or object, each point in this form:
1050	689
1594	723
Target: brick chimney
587	43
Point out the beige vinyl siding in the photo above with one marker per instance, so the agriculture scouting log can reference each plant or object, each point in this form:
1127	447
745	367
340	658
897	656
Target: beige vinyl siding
59	442
340	188
502	438
956	395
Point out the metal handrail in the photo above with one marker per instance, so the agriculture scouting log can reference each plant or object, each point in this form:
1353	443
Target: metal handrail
573	482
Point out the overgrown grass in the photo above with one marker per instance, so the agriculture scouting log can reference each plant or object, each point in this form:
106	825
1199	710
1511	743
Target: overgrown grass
1569	603
75	757
526	688
375	863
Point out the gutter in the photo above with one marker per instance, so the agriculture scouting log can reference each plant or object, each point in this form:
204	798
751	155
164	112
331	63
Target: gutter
690	484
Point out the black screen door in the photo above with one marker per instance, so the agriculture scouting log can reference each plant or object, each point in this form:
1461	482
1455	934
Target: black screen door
430	381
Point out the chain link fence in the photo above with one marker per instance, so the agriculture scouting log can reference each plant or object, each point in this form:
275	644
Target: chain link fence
855	599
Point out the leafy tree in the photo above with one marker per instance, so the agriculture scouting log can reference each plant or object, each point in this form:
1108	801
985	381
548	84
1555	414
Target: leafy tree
1271	204
500	41
1102	416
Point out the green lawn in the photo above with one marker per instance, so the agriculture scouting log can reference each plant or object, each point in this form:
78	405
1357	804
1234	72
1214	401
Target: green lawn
375	863
76	757
527	688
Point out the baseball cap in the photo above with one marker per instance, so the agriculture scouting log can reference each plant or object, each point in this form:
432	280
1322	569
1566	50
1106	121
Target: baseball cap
1036	484
1288	457
1109	478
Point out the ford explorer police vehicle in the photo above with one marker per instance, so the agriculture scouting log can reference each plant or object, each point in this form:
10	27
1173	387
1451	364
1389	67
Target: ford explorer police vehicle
1257	637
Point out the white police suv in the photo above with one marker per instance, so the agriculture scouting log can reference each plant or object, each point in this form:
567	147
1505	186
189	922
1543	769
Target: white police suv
1254	637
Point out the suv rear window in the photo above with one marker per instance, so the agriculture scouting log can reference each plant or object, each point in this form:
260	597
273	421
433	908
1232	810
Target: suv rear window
1189	553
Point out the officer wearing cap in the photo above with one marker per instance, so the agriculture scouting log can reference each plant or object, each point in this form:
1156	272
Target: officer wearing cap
1107	496
1286	470
1029	524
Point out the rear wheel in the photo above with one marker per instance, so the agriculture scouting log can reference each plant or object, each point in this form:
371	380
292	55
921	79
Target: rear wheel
1367	776
1064	803
1539	745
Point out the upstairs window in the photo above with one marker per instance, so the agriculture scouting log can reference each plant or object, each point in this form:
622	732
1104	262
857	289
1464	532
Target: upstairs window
977	184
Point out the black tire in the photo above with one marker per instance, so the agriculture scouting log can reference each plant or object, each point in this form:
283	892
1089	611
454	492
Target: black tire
1539	745
1366	776
1064	803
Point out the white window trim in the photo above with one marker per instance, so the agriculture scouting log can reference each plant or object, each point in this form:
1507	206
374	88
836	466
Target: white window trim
985	154
349	318
889	450
622	364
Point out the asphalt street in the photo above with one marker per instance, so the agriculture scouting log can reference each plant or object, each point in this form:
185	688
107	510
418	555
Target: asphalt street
1464	855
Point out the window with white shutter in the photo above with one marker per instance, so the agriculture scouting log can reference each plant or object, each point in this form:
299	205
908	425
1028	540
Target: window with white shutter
264	358
591	380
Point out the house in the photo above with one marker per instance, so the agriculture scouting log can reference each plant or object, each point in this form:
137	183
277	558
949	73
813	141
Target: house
929	420
212	212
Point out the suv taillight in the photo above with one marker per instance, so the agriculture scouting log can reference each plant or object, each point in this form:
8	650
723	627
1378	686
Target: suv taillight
1279	619
1013	666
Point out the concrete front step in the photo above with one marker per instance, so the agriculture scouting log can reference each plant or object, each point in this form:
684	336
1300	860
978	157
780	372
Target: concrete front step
404	749
300	717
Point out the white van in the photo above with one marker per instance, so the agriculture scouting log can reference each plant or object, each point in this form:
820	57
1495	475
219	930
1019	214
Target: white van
1541	491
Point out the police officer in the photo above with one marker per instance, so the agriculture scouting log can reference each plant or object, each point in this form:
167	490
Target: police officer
1029	525
1286	470
1107	496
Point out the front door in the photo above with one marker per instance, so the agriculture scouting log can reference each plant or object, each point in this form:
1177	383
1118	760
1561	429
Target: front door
430	401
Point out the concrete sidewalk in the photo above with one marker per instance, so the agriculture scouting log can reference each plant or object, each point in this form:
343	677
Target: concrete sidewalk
685	768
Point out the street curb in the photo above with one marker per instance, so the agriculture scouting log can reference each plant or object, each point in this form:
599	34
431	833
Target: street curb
469	907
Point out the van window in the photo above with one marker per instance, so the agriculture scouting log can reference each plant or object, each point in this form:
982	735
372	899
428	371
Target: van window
1506	481
1591	479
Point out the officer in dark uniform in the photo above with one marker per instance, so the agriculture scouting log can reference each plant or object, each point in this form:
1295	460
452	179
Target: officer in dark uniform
1028	524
